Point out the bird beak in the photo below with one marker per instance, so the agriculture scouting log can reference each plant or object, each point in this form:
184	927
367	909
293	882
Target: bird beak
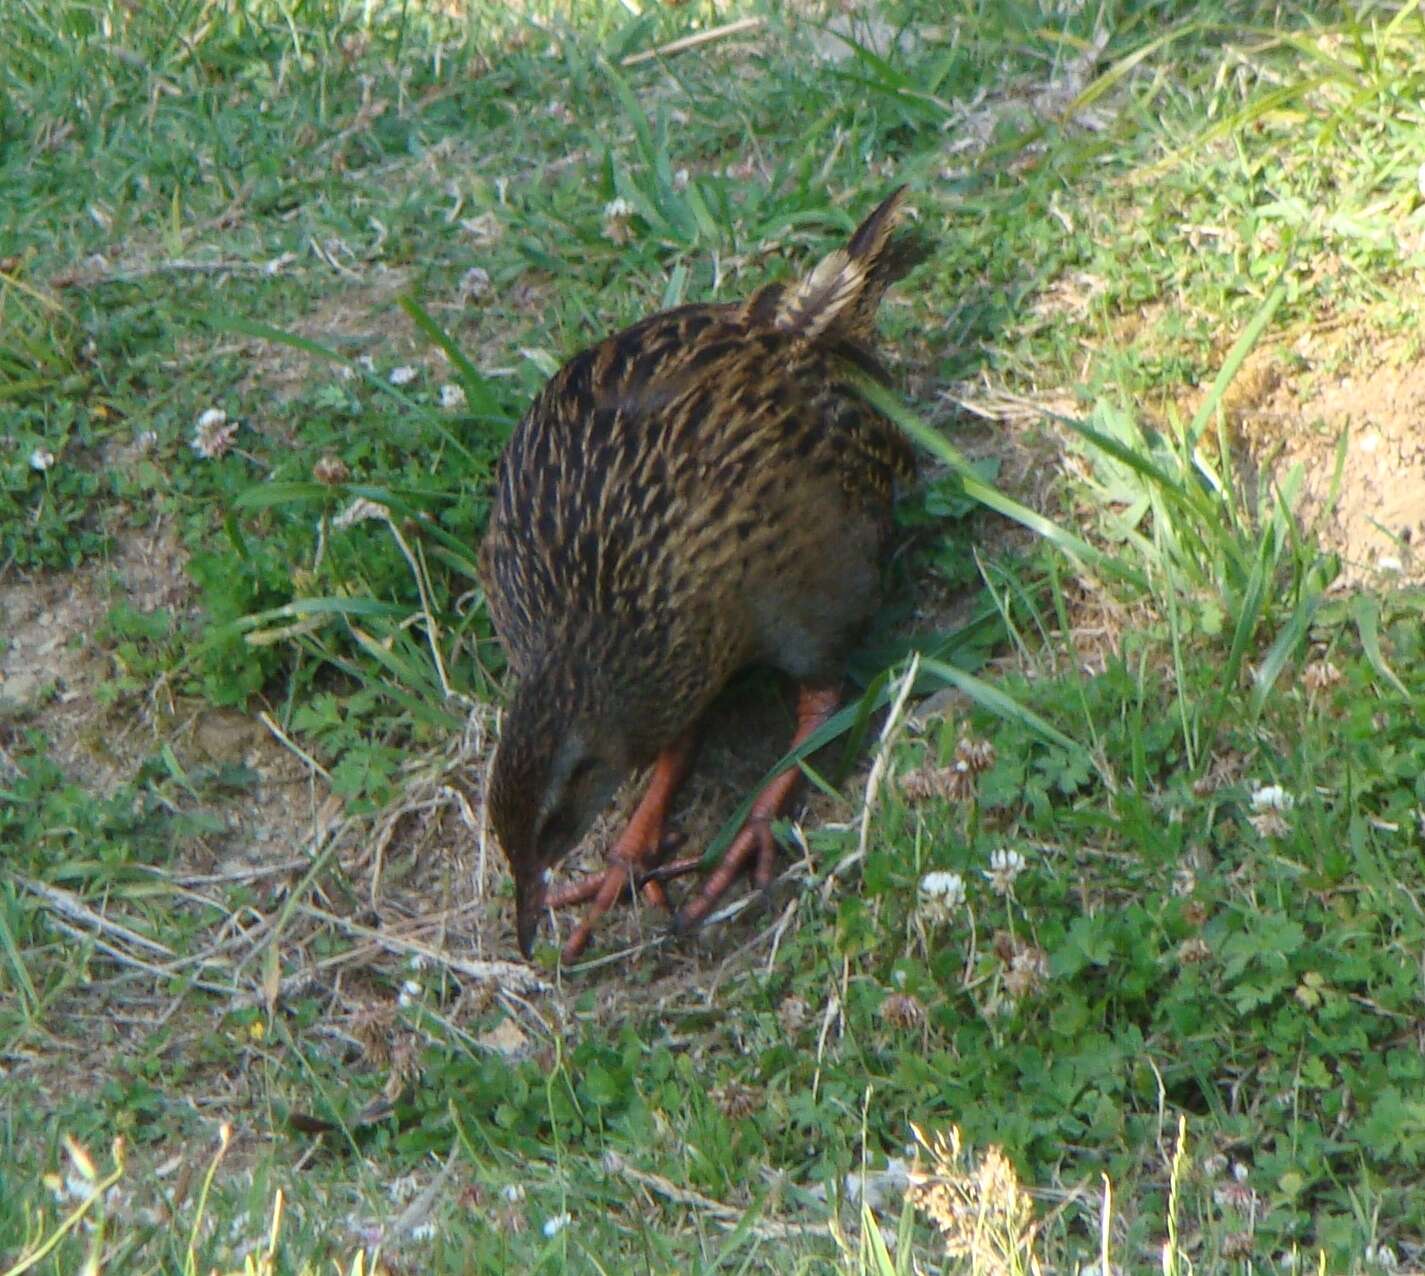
529	905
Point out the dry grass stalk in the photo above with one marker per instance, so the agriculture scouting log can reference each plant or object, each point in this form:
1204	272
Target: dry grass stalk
694	41
980	1209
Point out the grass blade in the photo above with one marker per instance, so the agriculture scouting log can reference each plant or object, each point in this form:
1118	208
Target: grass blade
987	494
1241	348
1365	612
990	697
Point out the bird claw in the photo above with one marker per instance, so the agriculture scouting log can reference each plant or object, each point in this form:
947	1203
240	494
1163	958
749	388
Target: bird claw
754	847
587	887
625	876
755	840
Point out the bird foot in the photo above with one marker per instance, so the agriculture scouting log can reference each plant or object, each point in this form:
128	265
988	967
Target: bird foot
639	870
753	847
754	844
634	861
635	865
625	875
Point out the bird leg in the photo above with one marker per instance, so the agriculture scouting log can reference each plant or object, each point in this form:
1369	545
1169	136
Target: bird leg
815	705
634	854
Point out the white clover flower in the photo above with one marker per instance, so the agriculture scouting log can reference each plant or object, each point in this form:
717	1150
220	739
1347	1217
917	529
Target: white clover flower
1272	797
410	992
1005	866
1271	805
948	886
553	1226
940	895
41	459
403	375
474	283
213	435
451	396
616	217
513	1192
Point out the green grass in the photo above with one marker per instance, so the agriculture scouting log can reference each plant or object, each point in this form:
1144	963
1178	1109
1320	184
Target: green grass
233	207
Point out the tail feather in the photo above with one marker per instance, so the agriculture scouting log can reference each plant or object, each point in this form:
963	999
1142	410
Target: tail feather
841	296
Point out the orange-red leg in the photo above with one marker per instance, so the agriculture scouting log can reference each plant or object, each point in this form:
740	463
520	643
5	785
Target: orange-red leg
636	850
814	706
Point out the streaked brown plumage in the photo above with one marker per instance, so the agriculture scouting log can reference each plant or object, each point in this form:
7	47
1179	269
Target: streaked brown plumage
699	492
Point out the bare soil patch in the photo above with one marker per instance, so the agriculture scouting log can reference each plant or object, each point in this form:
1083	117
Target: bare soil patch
1294	405
51	665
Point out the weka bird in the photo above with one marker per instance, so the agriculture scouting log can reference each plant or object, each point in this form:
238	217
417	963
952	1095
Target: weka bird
702	491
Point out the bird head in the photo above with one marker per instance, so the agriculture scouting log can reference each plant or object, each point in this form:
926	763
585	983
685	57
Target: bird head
553	773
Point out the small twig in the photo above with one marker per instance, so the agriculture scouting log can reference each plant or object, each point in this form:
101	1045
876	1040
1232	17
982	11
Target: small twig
375	855
419	1210
514	1003
878	771
432	627
504	973
292	746
366	115
137	963
79	277
330	259
86	922
727	1215
73	907
780	929
833	1008
249	874
694	41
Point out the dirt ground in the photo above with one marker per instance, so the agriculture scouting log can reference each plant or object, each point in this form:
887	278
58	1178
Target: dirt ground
1294	405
